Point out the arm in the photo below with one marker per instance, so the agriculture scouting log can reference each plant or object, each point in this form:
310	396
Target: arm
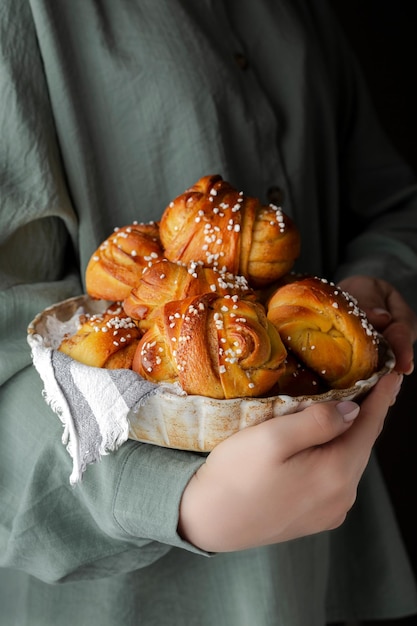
378	189
124	514
378	199
291	476
280	471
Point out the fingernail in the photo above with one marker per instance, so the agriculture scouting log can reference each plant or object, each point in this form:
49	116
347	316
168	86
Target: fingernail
380	311
348	410
410	369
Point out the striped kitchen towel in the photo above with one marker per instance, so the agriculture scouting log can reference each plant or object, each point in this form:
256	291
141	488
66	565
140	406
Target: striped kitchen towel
92	403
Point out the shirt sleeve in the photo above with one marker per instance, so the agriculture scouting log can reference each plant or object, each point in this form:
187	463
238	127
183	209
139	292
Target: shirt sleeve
378	188
124	514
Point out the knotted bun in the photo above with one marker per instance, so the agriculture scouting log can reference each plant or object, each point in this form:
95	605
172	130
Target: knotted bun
324	328
116	266
215	346
213	223
106	340
165	280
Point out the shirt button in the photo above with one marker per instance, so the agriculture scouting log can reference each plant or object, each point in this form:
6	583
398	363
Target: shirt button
275	195
241	61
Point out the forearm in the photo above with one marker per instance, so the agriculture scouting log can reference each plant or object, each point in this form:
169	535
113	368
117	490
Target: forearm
122	516
124	513
377	194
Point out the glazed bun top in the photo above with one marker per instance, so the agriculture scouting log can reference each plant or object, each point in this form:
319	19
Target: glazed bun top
214	223
117	264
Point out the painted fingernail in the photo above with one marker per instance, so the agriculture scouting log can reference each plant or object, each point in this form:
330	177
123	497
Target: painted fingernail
348	410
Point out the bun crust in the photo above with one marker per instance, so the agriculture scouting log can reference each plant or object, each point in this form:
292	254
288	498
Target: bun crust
215	346
324	328
117	265
165	280
213	223
106	340
207	300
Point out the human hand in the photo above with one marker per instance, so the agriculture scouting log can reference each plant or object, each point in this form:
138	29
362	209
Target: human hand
389	314
291	476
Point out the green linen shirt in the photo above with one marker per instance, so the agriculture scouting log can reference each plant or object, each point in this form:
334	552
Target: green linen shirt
108	110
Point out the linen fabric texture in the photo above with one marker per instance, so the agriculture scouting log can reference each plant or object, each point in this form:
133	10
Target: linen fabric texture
108	111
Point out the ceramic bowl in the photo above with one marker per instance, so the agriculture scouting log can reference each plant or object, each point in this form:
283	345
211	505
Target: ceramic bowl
175	420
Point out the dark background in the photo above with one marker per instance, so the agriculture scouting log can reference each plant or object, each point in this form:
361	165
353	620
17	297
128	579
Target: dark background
383	35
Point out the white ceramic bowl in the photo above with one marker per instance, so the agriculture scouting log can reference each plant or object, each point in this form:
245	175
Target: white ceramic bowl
186	422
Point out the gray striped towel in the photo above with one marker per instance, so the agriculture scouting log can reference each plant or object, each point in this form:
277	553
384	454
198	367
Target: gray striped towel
92	403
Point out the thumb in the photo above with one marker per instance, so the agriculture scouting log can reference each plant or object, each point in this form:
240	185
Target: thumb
314	426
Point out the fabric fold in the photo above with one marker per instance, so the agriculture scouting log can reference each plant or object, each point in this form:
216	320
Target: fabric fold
92	403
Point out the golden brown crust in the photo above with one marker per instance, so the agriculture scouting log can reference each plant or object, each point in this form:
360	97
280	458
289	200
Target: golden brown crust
214	223
220	347
323	326
106	340
166	280
224	256
116	266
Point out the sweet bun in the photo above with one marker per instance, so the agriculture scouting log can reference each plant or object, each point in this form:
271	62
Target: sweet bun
166	280
298	380
208	299
324	328
106	340
214	223
116	266
212	345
